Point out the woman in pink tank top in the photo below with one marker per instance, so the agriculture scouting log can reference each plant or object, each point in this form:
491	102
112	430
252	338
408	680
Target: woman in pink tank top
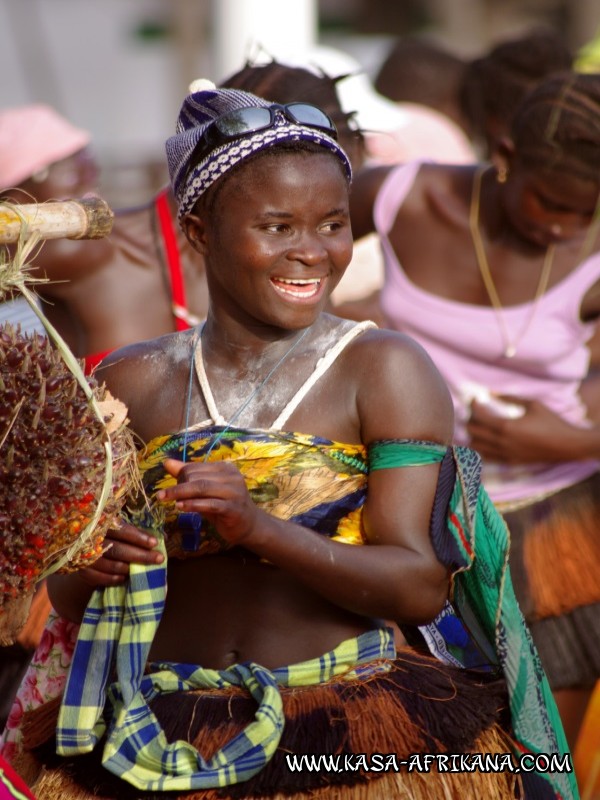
493	269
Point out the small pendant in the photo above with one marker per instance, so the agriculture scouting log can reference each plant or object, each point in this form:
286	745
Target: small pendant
510	352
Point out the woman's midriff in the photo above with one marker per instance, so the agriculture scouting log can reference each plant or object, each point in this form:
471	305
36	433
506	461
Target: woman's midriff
222	610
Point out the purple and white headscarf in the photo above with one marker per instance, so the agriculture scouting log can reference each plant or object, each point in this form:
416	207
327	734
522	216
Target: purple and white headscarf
205	104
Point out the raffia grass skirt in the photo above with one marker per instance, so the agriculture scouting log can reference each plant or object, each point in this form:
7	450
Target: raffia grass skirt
418	706
555	568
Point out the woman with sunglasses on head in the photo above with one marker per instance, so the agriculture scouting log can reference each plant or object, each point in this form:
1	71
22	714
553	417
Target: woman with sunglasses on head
495	270
301	491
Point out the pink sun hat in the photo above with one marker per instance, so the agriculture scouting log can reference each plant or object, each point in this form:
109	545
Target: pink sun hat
32	138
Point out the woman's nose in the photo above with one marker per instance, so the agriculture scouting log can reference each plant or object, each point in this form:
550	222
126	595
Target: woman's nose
308	249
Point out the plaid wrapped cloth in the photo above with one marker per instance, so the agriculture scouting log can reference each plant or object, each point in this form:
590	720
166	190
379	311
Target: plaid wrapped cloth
121	622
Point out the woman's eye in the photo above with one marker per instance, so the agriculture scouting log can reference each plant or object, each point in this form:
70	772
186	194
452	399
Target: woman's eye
334	225
277	227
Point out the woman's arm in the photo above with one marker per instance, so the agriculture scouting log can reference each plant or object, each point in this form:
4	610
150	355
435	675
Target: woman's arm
365	187
590	394
398	576
538	435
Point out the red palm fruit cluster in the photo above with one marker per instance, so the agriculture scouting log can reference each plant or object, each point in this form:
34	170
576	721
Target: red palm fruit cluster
52	464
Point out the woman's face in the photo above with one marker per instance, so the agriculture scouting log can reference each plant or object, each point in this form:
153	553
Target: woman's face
546	206
71	177
278	239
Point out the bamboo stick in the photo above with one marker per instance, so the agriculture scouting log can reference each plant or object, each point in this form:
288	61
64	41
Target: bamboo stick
89	218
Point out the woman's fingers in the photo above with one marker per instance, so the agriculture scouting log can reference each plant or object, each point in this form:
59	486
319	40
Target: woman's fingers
199	480
216	490
124	546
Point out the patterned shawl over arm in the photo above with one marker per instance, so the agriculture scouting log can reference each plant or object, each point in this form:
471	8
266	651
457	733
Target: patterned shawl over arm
471	538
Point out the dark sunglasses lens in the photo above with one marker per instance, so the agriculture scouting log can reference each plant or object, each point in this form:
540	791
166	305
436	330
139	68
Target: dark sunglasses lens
244	120
305	114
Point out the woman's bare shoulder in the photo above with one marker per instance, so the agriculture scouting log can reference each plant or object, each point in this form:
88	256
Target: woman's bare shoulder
400	392
443	191
142	374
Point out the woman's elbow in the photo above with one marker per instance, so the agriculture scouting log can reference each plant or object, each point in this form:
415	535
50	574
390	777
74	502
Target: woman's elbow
428	597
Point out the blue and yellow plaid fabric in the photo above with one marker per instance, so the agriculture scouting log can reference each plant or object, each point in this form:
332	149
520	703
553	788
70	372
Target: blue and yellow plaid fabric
118	628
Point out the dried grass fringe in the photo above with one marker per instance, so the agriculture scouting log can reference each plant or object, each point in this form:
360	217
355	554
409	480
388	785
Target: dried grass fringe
56	785
419	706
561	554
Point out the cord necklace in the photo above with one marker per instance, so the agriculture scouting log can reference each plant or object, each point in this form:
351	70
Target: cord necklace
510	344
197	357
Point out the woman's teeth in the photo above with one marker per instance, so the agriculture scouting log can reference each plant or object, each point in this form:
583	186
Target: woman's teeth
298	288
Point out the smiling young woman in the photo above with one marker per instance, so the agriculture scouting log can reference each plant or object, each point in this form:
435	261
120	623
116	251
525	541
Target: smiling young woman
302	503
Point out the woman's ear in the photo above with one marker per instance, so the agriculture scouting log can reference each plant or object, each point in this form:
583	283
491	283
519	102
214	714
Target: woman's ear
503	156
195	231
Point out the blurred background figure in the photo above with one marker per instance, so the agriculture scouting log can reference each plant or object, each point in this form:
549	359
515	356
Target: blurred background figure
493	85
42	156
394	131
419	70
482	94
100	294
284	82
494	269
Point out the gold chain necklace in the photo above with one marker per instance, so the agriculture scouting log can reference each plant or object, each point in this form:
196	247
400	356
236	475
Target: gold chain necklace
510	345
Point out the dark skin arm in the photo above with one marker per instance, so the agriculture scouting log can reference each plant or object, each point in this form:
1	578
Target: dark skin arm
365	187
539	435
590	394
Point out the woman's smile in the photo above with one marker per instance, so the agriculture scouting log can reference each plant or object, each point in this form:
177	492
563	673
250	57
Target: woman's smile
300	289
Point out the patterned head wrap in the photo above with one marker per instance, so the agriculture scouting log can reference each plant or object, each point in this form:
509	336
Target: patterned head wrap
205	104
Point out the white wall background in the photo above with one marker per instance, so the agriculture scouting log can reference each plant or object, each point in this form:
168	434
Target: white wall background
87	59
83	57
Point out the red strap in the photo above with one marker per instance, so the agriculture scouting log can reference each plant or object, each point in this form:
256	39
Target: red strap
173	260
92	361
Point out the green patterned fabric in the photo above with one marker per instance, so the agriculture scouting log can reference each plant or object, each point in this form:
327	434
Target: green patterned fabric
482	589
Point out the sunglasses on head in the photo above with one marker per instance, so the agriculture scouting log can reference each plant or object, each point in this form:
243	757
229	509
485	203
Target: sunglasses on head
246	121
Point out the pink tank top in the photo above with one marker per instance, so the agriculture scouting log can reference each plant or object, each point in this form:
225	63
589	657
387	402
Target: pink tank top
465	342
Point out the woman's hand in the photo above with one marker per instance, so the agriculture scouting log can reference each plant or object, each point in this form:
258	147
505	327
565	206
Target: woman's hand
218	492
538	435
125	545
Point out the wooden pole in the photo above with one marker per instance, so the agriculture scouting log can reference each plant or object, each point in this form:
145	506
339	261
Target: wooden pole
90	218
